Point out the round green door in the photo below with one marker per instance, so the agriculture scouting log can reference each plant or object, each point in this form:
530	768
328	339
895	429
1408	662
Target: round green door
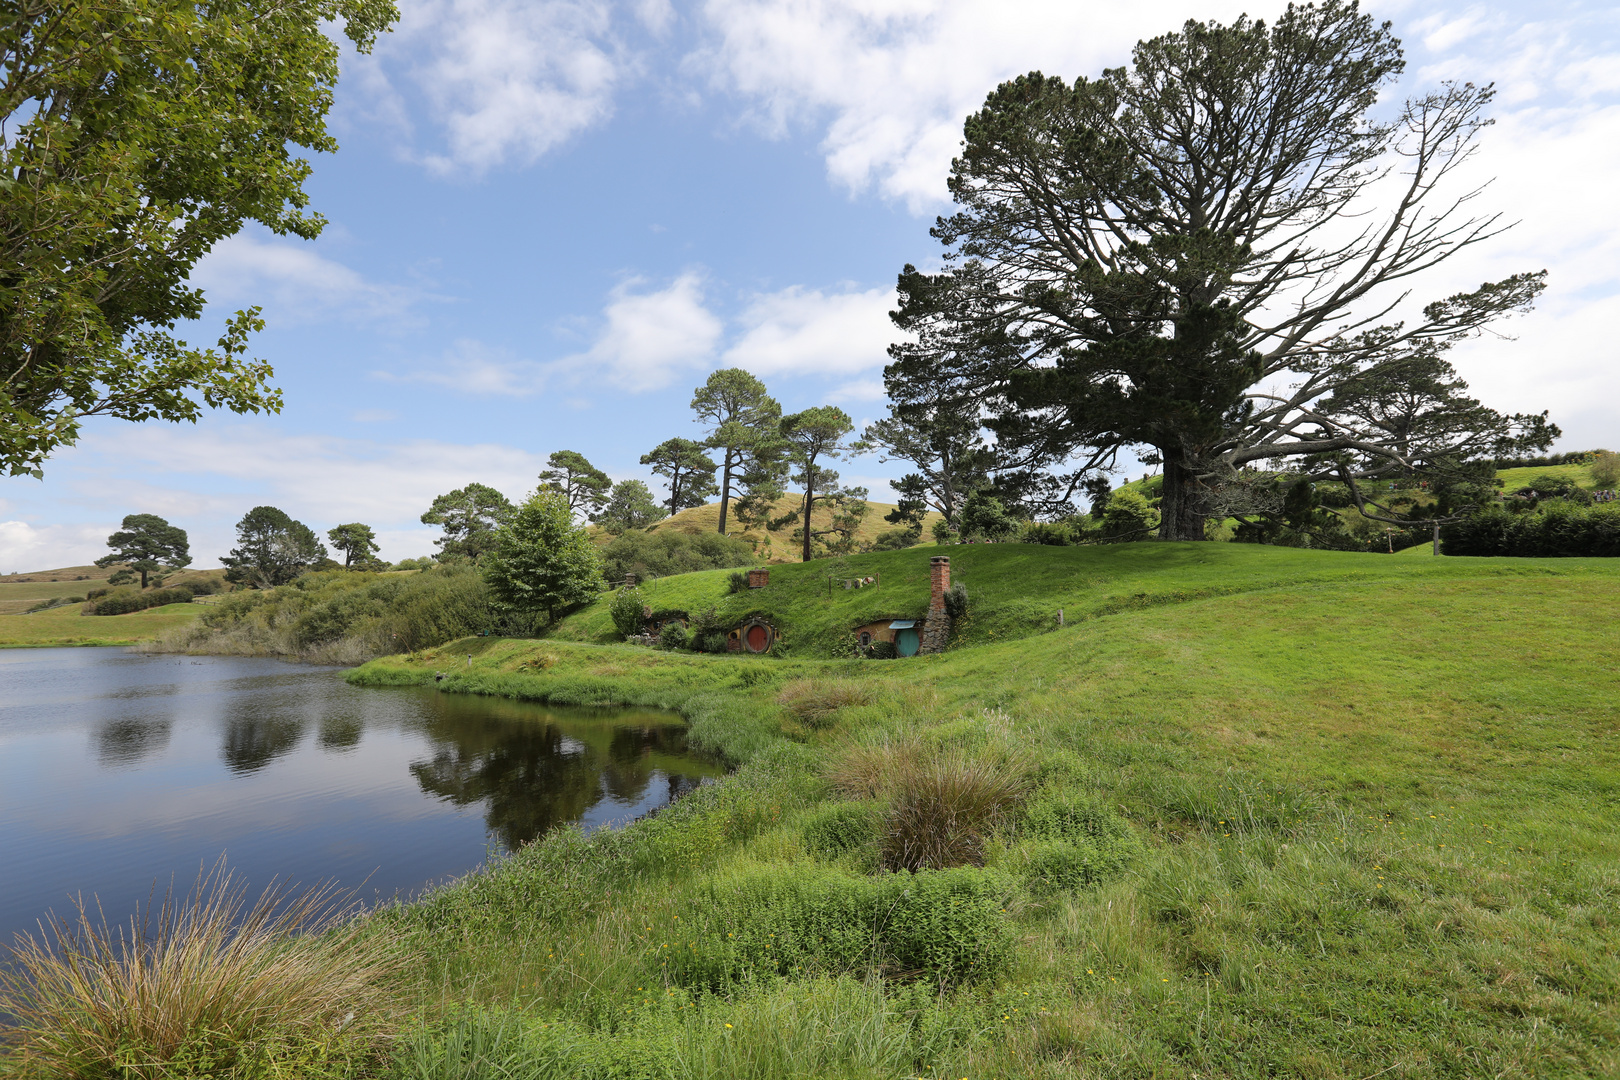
907	641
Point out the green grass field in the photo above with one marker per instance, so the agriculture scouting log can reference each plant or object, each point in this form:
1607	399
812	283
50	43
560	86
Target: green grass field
68	626
1375	800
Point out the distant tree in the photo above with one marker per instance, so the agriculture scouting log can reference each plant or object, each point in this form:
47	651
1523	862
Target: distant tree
357	542
469	517
664	552
630	506
689	470
271	549
941	437
744	421
1605	468
541	560
585	486
813	437
984	518
146	545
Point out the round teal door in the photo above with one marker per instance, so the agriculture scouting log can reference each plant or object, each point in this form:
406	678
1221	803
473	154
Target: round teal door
907	641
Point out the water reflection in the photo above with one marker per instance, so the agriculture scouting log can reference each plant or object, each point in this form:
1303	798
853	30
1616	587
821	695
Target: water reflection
252	742
538	771
125	742
118	770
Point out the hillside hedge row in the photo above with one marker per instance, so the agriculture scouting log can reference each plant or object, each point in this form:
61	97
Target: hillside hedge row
124	603
1557	531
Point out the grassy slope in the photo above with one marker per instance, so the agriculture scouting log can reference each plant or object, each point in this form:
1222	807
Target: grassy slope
67	625
1378	795
1017	590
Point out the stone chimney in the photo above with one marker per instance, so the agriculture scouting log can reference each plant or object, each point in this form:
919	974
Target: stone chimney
936	630
758	579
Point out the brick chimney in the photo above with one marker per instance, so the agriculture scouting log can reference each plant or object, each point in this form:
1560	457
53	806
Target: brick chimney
937	627
758	579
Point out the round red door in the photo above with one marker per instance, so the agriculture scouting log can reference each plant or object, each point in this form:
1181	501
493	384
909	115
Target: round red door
758	638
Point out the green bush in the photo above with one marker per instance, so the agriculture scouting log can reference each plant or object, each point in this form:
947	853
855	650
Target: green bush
628	611
123	603
896	539
1047	532
709	641
841	827
945	926
642	555
737	582
1077	842
672	636
1558	530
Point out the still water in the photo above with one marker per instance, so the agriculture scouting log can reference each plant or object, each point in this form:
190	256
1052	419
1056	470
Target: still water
119	769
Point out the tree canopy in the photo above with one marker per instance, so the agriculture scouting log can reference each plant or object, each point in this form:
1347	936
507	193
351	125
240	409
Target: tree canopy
630	506
1209	254
743	421
814	437
689	470
584	485
469	517
541	561
357	542
271	549
138	134
146	545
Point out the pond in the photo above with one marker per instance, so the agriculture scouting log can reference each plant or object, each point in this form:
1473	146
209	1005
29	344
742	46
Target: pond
121	769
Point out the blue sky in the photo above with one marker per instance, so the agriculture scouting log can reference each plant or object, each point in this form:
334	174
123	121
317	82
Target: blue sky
551	218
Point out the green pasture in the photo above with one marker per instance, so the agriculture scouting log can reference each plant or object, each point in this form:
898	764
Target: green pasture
69	626
1371	801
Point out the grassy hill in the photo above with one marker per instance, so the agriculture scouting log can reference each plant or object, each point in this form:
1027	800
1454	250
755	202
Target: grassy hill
1016	590
1371	802
68	625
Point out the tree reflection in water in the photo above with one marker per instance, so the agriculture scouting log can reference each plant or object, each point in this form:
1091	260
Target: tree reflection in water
125	742
252	742
537	768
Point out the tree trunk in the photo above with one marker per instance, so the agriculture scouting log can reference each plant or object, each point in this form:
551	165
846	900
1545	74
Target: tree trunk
1180	508
809	505
725	491
143	572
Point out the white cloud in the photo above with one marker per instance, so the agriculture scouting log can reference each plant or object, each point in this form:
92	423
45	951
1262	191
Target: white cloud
894	78
648	339
502	80
800	331
471	367
25	547
295	284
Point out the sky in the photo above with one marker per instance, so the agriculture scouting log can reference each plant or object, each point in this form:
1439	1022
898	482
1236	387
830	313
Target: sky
550	219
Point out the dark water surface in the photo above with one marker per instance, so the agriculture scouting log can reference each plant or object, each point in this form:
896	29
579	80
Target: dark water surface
118	769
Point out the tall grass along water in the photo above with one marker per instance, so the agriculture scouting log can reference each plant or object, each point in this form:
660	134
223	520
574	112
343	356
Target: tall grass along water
121	770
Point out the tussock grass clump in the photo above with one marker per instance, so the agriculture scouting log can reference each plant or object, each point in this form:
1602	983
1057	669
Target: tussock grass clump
207	984
815	701
943	802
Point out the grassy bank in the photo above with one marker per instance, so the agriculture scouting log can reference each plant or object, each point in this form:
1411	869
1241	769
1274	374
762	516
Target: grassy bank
70	626
1295	814
1372	805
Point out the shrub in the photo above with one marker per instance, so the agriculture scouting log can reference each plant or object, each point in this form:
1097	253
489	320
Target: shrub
672	636
123	603
983	516
1557	530
1128	517
896	539
737	581
841	827
946	926
643	555
956	601
1077	842
1605	468
709	641
944	533
206	985
628	611
814	701
1047	532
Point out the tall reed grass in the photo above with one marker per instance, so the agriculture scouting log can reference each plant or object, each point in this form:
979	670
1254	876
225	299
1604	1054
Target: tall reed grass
203	983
